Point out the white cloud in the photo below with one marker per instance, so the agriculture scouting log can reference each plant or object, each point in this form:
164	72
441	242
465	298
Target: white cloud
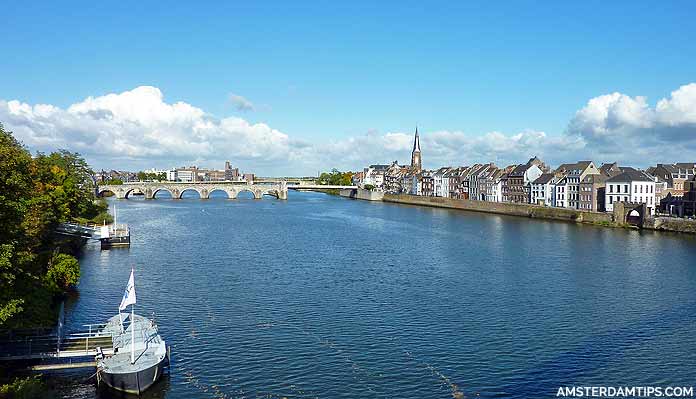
628	129
241	103
605	114
138	129
680	108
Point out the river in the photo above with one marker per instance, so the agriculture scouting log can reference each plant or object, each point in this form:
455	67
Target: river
321	296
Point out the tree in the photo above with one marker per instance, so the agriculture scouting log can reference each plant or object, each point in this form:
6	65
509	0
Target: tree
35	195
145	176
15	195
15	185
63	273
336	178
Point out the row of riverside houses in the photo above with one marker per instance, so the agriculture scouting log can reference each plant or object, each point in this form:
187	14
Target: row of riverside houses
665	188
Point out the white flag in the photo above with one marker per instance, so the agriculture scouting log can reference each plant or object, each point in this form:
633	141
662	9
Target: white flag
129	295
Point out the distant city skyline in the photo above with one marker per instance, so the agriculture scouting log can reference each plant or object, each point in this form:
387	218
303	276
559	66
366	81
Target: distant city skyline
283	89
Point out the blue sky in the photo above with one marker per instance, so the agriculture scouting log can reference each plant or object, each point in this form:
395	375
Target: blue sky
324	74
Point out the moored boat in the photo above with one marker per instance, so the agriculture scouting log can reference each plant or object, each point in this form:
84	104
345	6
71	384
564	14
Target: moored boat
149	360
140	355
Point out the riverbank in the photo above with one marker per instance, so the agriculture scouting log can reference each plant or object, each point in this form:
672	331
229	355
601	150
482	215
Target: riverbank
503	208
543	212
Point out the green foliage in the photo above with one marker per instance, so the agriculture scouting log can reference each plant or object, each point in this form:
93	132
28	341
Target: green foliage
26	388
35	195
63	273
143	176
97	213
115	182
369	187
15	184
9	309
336	178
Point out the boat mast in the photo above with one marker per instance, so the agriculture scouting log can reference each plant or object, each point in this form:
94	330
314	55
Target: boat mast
133	325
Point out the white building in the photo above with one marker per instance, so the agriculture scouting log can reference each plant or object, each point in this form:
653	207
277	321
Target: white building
542	190
631	185
185	175
494	185
561	192
156	171
374	175
440	184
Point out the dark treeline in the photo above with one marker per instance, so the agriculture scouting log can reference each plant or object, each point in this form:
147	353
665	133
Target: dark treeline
37	267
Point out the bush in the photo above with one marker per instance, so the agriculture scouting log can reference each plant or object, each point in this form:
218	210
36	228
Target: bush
25	388
63	273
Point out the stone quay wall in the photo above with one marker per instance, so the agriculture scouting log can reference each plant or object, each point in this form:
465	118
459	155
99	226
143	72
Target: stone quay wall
362	194
504	208
670	224
677	225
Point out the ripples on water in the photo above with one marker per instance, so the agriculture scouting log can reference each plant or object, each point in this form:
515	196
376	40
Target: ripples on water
322	297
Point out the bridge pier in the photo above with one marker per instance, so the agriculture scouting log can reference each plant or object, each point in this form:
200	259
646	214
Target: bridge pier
283	192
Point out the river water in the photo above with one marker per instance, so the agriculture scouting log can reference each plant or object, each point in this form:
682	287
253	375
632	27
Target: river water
324	297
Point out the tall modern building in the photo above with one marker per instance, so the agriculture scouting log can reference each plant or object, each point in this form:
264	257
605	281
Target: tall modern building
416	164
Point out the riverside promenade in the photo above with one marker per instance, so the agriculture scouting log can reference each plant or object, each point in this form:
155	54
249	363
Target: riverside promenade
618	218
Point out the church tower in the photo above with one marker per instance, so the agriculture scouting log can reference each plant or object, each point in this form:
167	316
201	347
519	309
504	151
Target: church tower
416	154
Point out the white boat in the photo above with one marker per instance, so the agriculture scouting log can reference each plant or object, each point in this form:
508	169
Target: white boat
150	355
140	354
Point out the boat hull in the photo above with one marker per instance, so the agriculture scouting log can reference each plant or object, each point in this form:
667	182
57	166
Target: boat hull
114	242
134	382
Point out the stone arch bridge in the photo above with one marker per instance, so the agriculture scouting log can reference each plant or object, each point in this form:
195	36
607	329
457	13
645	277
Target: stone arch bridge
204	189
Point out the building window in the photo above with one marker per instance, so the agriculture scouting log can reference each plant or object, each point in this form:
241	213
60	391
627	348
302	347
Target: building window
611	188
625	188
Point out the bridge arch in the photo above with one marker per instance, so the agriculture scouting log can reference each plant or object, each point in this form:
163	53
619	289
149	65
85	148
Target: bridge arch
272	193
220	190
121	192
103	191
194	189
255	192
156	190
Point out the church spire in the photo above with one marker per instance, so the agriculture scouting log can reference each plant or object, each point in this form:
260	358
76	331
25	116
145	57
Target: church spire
416	153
